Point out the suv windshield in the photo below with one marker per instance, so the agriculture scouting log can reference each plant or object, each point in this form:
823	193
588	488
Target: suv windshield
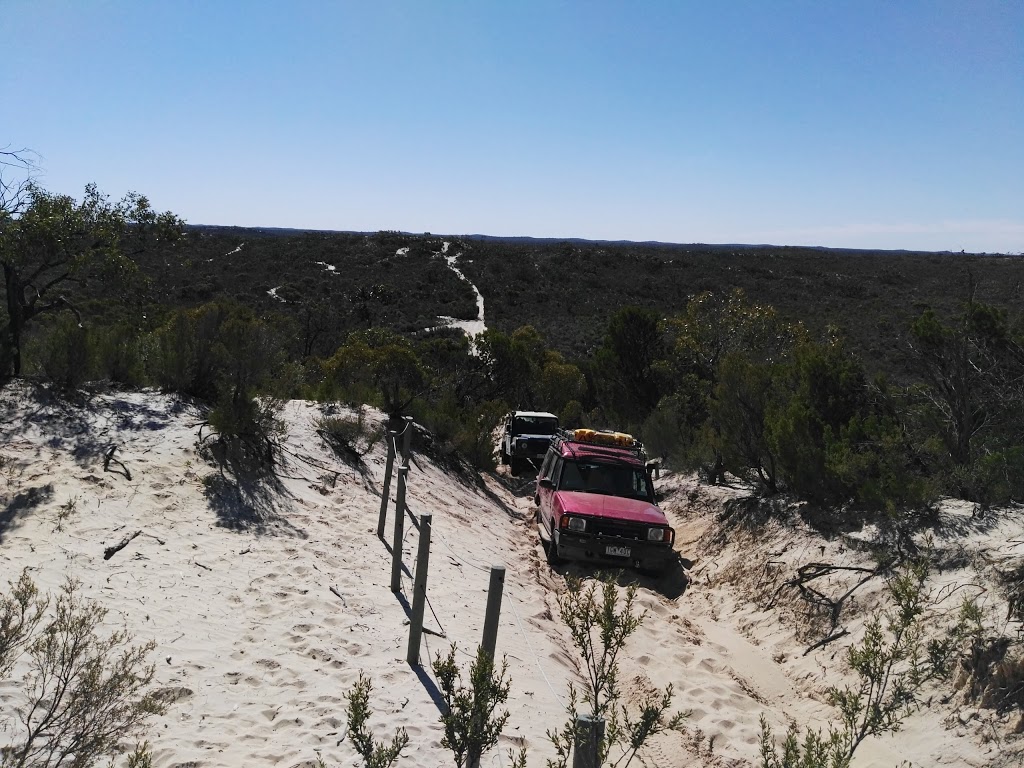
609	479
534	425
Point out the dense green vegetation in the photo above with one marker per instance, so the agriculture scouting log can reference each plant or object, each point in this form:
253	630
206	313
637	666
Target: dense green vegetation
867	381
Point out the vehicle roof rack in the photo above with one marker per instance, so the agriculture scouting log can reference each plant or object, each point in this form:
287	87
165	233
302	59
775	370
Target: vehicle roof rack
602	438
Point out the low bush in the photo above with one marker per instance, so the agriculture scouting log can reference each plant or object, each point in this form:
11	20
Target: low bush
62	352
119	355
375	754
351	437
599	625
82	694
471	718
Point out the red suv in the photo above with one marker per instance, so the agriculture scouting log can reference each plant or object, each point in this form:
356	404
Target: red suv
595	502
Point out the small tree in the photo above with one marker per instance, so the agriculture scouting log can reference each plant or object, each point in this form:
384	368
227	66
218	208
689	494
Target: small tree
472	722
375	754
893	663
599	629
82	694
815	751
49	243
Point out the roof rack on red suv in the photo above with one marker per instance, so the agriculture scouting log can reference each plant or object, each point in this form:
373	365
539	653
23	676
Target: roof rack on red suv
600	441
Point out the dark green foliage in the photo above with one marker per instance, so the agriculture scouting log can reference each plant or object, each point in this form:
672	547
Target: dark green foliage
513	364
376	366
629	373
721	428
739	404
119	354
247	431
52	244
972	399
226	355
680	344
61	350
874	463
184	355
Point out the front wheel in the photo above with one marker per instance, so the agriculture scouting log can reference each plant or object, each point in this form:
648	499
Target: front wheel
551	552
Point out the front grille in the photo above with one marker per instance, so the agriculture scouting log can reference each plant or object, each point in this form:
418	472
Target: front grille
537	444
623	530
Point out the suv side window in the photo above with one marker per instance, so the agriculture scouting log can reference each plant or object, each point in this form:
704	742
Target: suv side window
549	460
556	469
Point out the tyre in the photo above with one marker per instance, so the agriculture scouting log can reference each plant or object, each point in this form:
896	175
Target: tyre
551	552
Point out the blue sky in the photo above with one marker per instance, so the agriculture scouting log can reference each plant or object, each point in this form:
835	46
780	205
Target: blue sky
855	124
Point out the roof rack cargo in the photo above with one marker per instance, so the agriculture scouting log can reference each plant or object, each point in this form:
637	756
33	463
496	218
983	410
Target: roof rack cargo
604	438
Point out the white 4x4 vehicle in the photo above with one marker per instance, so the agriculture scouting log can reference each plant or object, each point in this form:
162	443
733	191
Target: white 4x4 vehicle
525	438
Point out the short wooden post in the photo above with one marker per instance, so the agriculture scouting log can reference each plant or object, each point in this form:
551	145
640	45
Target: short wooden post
396	547
391	438
407	440
419	591
494	591
589	734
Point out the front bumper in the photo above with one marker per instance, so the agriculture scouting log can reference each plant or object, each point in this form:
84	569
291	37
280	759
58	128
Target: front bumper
608	550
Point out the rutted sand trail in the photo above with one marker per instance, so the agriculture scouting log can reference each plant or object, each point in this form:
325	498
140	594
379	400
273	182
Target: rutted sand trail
257	651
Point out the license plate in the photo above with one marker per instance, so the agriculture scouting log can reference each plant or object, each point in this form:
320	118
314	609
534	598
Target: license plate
617	551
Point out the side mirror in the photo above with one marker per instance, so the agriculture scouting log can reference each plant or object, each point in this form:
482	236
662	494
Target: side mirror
545	482
654	468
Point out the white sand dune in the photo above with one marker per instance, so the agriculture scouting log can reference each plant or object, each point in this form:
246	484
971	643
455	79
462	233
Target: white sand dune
235	586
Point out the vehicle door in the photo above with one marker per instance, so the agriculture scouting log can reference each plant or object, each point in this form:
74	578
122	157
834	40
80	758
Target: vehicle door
506	436
549	470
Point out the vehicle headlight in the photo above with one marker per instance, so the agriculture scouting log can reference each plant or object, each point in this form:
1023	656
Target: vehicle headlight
577	524
657	534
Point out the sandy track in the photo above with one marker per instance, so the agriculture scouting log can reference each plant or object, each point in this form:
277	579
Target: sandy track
257	651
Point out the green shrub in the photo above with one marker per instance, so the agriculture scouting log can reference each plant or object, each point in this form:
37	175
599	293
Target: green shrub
119	354
62	352
375	754
83	694
184	355
247	431
350	437
599	626
471	719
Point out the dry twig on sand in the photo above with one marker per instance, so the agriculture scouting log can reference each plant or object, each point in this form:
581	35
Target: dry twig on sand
110	551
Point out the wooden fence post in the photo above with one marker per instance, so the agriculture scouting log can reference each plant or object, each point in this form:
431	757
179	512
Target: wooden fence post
407	440
589	734
392	436
494	591
396	547
419	591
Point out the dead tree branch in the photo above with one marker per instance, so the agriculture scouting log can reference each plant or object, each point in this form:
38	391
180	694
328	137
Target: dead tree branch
110	551
108	456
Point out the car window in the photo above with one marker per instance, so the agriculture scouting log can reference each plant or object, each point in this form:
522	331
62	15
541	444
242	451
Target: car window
572	478
608	479
535	425
545	468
